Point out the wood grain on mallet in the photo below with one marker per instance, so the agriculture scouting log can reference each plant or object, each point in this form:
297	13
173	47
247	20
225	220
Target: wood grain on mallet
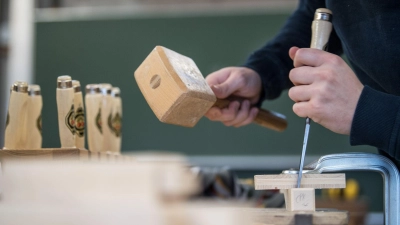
178	94
288	181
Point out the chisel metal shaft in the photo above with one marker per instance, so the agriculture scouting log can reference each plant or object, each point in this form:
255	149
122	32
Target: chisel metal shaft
321	29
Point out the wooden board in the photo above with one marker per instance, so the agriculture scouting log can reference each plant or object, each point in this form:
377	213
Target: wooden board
288	181
277	216
76	154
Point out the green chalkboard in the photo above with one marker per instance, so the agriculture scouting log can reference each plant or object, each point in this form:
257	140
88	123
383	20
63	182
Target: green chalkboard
109	51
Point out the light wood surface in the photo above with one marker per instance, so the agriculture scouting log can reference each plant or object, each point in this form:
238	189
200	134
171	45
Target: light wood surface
15	133
276	216
66	116
34	122
178	94
288	181
93	121
79	121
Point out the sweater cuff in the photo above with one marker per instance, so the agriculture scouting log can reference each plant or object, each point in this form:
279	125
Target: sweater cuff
270	75
376	121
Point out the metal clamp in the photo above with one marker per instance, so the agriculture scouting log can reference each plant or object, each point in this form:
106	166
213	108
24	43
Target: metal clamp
366	162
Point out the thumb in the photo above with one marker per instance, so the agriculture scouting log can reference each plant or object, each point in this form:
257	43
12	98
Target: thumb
226	88
292	52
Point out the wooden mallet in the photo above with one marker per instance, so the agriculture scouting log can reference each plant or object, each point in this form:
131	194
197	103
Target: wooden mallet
178	94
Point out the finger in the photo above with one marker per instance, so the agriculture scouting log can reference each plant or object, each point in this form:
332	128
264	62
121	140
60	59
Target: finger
242	114
301	109
218	76
252	115
292	52
214	114
309	57
230	113
300	93
226	88
302	75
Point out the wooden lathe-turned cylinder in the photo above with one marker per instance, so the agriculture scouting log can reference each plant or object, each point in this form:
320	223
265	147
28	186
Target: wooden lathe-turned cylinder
34	118
114	121
79	115
15	133
106	110
66	111
93	99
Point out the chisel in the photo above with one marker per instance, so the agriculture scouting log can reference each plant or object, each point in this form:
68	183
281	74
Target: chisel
114	121
15	133
66	111
106	109
34	118
321	29
79	115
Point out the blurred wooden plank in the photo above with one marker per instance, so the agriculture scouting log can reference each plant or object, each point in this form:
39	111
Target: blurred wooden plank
278	216
288	181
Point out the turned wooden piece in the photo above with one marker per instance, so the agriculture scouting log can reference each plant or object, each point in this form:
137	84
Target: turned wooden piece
115	121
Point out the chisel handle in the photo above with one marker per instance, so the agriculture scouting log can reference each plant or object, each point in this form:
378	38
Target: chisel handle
321	29
115	121
269	119
34	118
66	112
106	110
79	115
15	133
93	100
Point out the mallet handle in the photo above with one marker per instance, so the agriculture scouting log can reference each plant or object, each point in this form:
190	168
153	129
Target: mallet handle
269	119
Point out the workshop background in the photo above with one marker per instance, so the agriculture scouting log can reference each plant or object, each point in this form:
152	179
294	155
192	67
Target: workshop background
105	41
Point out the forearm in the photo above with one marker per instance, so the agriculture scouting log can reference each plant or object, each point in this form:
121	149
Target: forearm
376	122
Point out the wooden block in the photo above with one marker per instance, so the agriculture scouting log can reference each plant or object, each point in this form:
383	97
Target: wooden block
170	82
288	181
280	216
300	199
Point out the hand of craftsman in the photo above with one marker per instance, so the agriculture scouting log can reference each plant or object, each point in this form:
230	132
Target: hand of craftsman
235	82
326	89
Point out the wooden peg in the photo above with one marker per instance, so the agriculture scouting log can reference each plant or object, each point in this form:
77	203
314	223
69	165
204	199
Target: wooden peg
93	99
300	199
178	94
66	111
79	120
15	133
34	118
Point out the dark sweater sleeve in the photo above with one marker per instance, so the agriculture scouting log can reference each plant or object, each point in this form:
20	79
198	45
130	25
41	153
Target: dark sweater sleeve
376	122
272	61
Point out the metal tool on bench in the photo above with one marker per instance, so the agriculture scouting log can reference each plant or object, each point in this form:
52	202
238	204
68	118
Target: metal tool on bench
321	29
365	162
